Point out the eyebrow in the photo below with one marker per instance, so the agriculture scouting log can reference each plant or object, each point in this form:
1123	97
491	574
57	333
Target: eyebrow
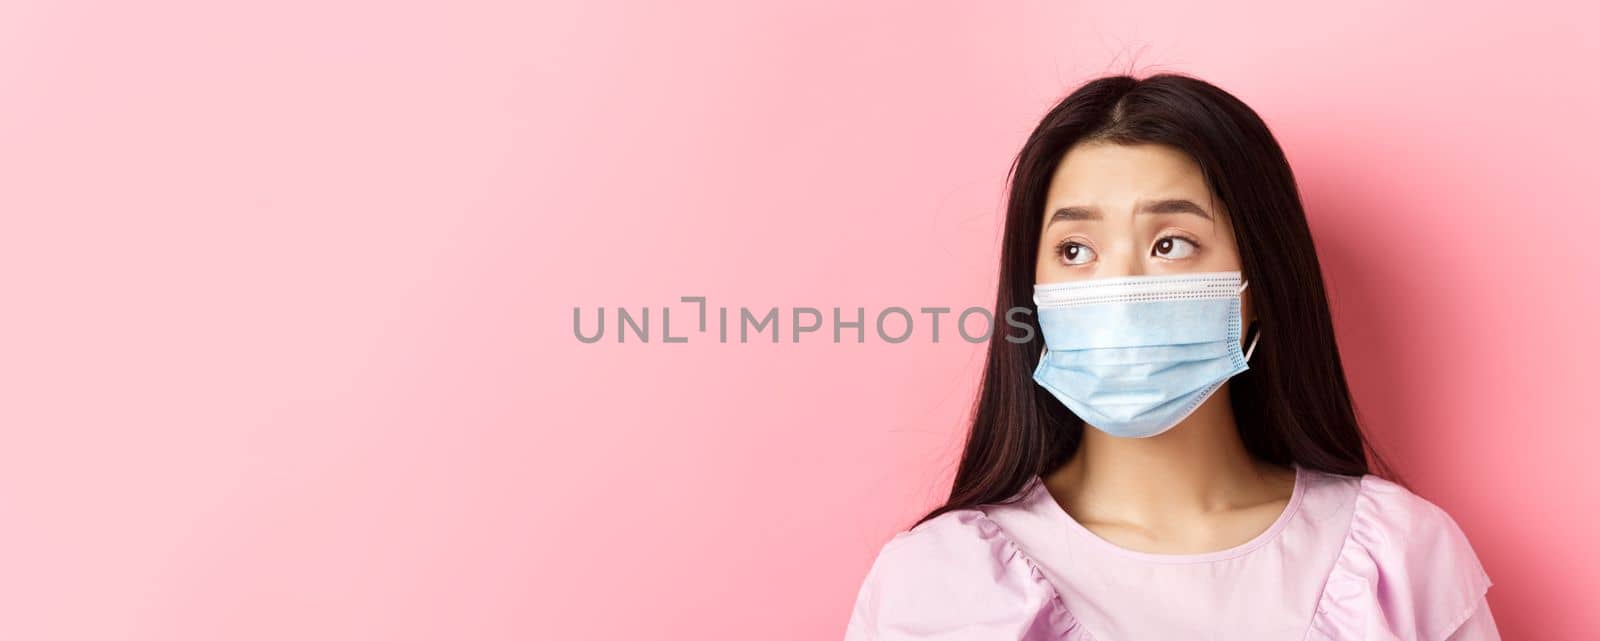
1163	206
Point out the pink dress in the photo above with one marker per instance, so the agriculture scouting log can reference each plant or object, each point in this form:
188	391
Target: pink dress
1349	559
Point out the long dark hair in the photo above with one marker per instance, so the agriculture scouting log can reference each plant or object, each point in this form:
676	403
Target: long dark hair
1292	405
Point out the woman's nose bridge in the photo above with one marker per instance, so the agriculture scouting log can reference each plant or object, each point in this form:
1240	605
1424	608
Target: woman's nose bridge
1126	259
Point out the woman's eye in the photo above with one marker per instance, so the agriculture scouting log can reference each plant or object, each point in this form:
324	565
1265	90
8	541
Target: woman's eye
1075	253
1173	248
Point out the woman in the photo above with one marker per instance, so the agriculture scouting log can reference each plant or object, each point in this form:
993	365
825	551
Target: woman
1172	452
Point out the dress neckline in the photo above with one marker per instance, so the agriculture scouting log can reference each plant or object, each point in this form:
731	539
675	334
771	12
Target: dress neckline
1046	503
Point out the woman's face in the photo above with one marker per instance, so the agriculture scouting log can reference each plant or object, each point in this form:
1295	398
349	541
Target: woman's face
1132	210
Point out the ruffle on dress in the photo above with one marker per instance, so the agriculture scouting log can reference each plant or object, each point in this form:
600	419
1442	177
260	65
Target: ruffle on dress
958	577
1406	572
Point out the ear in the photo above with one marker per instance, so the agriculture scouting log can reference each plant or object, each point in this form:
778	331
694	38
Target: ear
1247	311
1247	314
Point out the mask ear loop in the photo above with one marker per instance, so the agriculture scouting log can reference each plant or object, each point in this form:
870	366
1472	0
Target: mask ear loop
1255	335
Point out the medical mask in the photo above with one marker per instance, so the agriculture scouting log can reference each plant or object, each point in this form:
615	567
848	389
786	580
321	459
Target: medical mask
1134	356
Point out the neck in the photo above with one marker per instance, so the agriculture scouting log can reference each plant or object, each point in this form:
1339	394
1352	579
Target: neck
1198	466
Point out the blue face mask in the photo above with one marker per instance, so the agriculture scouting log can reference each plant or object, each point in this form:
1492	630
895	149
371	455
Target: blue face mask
1134	356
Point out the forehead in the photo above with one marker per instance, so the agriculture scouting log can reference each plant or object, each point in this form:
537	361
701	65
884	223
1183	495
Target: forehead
1110	174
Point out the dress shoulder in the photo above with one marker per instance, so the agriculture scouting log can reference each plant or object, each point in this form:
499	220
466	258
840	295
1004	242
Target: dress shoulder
1405	571
957	577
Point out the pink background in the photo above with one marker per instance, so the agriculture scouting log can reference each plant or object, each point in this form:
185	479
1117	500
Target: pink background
287	347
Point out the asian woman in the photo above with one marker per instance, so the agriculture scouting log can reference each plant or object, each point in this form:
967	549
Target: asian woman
1171	452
